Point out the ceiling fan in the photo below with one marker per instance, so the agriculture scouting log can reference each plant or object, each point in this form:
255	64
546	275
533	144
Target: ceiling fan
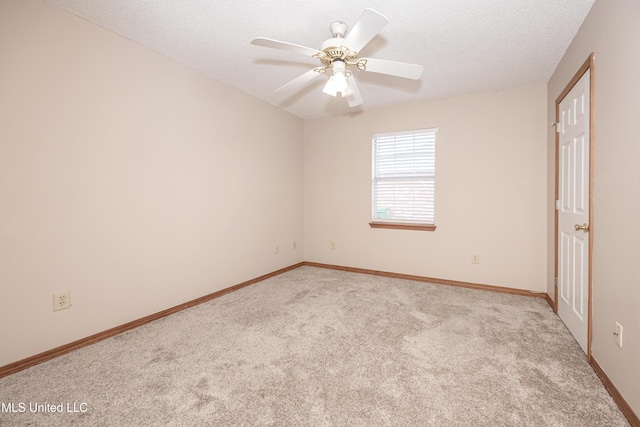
339	54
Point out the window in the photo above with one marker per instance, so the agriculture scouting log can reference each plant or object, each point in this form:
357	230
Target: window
403	180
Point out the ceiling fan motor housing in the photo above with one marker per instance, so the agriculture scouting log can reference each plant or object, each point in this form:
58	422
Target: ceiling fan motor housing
332	50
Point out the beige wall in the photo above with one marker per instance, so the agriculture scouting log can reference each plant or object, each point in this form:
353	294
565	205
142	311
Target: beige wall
132	181
612	32
490	190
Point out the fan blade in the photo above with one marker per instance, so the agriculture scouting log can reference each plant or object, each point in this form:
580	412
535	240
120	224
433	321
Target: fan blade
393	68
369	24
299	81
355	99
261	41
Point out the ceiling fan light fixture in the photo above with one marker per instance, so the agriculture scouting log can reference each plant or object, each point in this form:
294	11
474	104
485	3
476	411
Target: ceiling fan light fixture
350	90
330	87
338	81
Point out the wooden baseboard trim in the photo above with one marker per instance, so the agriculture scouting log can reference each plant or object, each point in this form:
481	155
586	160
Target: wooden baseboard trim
479	286
550	302
617	397
28	362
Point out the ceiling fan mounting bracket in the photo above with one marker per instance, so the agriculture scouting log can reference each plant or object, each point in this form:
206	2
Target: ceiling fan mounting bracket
338	29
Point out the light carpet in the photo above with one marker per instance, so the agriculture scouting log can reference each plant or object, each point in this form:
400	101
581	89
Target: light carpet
323	347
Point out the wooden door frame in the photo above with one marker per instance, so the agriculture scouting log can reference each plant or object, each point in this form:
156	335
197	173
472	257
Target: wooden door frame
586	66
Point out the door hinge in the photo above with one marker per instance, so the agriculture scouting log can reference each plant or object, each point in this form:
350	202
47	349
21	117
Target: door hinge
557	205
557	126
555	281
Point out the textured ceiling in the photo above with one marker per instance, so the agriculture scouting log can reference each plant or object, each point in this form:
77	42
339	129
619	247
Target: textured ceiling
465	46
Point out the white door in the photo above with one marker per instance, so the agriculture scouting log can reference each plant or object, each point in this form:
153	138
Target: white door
573	210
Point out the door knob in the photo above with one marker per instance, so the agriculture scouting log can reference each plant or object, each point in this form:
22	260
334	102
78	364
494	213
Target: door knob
584	227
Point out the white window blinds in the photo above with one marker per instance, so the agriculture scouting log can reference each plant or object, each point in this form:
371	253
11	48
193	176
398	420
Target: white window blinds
403	182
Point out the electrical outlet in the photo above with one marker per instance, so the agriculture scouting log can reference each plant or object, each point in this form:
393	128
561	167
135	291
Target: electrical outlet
61	300
618	334
276	249
475	259
332	245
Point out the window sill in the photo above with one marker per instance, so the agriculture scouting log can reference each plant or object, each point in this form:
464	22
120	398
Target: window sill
398	226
